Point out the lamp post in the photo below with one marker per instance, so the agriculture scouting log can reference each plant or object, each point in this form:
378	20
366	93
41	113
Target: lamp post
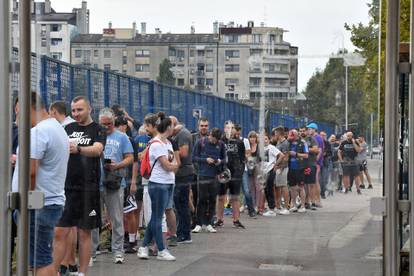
353	59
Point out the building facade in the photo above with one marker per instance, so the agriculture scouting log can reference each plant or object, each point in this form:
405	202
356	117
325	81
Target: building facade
52	31
219	63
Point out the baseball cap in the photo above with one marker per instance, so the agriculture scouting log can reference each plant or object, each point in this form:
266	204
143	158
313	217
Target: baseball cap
312	125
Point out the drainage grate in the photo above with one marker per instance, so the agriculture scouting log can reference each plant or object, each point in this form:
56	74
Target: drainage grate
281	267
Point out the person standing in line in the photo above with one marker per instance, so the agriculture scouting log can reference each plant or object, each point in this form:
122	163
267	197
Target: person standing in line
348	152
118	155
58	111
82	209
160	187
256	189
49	154
362	157
327	164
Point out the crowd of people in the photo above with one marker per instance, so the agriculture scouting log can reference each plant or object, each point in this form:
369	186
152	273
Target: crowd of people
118	175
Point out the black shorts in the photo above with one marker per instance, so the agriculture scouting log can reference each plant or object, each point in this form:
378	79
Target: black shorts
234	186
296	177
350	169
310	175
363	166
82	209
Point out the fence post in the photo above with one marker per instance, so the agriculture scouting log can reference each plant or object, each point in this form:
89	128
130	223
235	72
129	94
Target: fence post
43	79
106	88
151	94
89	85
131	98
71	83
59	81
118	88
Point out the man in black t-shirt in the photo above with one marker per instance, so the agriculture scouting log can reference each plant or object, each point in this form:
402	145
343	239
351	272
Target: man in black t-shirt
236	158
82	209
347	154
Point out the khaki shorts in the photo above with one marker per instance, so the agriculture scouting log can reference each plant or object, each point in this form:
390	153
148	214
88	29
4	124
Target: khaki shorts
281	178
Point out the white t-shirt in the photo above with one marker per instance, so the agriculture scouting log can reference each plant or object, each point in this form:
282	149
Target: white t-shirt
271	153
159	174
49	144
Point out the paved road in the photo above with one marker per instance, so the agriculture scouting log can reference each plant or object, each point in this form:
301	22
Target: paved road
342	238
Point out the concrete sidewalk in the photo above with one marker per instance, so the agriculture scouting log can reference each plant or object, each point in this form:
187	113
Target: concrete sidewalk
342	238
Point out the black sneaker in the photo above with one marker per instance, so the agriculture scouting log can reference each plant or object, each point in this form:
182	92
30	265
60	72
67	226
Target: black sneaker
63	270
237	224
130	249
73	270
172	241
253	215
362	186
370	186
313	207
219	223
307	206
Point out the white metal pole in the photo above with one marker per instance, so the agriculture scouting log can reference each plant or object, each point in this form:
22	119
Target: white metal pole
379	73
346	97
411	143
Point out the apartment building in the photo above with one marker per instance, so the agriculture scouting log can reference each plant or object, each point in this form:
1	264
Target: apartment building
51	31
219	63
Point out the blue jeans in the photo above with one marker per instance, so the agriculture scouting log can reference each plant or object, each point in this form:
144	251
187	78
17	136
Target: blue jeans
325	172
160	195
247	195
42	224
181	200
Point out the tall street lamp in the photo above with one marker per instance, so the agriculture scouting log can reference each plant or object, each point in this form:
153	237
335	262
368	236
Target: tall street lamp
352	59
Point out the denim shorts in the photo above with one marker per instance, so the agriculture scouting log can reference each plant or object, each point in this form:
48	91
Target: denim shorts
42	224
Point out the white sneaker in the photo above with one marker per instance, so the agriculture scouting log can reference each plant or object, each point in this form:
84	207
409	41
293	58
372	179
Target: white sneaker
165	256
242	209
143	253
197	229
302	210
293	209
284	212
119	259
90	262
269	213
210	229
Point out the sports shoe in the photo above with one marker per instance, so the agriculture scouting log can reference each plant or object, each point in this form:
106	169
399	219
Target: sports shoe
172	241
302	210
293	209
197	229
253	215
119	259
130	249
313	207
184	241
143	253
370	186
269	213
219	223
73	270
284	212
362	186
165	255
307	206
63	270
210	229
91	261
237	224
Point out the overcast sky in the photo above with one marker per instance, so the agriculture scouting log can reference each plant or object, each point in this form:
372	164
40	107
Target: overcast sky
316	27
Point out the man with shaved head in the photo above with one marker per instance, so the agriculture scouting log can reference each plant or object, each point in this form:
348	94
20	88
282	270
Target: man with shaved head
347	154
184	176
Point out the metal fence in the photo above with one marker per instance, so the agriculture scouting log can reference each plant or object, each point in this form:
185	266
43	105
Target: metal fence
58	80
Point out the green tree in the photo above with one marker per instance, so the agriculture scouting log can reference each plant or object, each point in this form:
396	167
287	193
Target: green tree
165	75
365	39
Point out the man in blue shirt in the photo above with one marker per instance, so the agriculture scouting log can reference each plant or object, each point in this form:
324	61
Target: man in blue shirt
210	154
118	155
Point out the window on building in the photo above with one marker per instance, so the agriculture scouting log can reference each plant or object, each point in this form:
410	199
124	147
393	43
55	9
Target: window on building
191	81
209	68
232	68
56	55
200	67
124	60
200	53
142	67
96	53
142	53
107	67
56	28
180	82
209	82
172	52
192	53
95	66
201	81
257	38
43	42
78	53
255	81
232	38
124	53
55	41
107	53
232	53
209	53
231	96
228	82
181	54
